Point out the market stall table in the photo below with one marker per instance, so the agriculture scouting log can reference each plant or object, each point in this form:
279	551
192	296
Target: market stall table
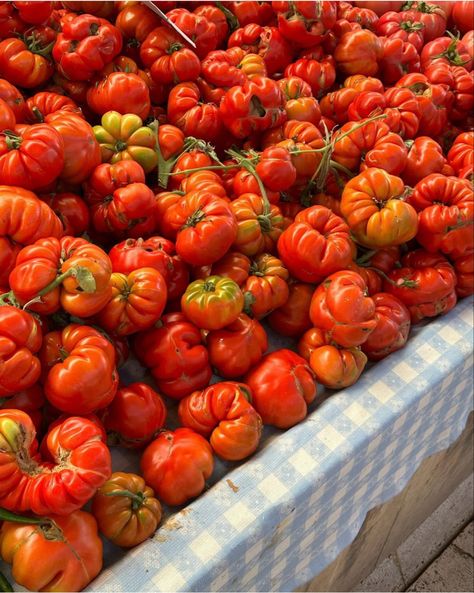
279	519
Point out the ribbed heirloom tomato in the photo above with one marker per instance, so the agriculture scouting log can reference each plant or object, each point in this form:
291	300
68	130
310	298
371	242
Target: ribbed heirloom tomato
374	206
341	307
223	412
79	369
125	509
59	554
283	385
80	464
236	348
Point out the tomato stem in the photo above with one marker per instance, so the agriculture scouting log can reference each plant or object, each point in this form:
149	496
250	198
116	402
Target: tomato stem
15	518
137	499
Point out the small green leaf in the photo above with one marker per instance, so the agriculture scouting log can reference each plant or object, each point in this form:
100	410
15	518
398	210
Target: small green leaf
85	279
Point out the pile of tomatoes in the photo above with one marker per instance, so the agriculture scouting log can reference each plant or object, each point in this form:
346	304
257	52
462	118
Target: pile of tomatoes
306	167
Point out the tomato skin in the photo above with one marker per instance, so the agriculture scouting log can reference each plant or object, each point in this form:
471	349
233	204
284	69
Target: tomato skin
402	25
125	510
283	385
13	98
224	414
382	148
44	103
317	69
373	227
392	329
464	267
179	343
358	52
137	302
292	318
204	226
95	43
461	153
7	117
434	101
425	156
267	42
72	211
23	219
462	16
448	51
193	117
31	156
335	105
177	464
22	67
212	303
85	379
341	308
425	284
276	169
125	92
124	138
37	267
197	27
30	400
234	265
333	366
81	149
259	224
80	463
445	207
120	201
169	61
135	23
235	349
20	340
154	252
266	288
237	113
315	245
73	546
135	416
305	23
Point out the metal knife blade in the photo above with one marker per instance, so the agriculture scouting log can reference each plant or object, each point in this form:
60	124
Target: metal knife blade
163	16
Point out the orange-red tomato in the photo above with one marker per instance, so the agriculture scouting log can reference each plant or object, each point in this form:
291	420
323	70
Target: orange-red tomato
223	412
177	464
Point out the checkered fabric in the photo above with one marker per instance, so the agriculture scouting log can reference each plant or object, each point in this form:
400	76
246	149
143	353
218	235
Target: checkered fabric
276	521
279	519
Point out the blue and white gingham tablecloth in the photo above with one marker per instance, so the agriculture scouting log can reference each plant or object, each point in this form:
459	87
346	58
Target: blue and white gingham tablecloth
279	519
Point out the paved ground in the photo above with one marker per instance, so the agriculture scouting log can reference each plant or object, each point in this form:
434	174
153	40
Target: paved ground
438	556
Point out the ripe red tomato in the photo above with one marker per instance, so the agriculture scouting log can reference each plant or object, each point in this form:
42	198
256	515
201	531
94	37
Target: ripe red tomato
135	416
425	284
137	302
81	464
20	339
235	349
224	414
292	318
392	329
37	551
283	385
31	156
179	343
315	245
341	308
79	369
177	464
